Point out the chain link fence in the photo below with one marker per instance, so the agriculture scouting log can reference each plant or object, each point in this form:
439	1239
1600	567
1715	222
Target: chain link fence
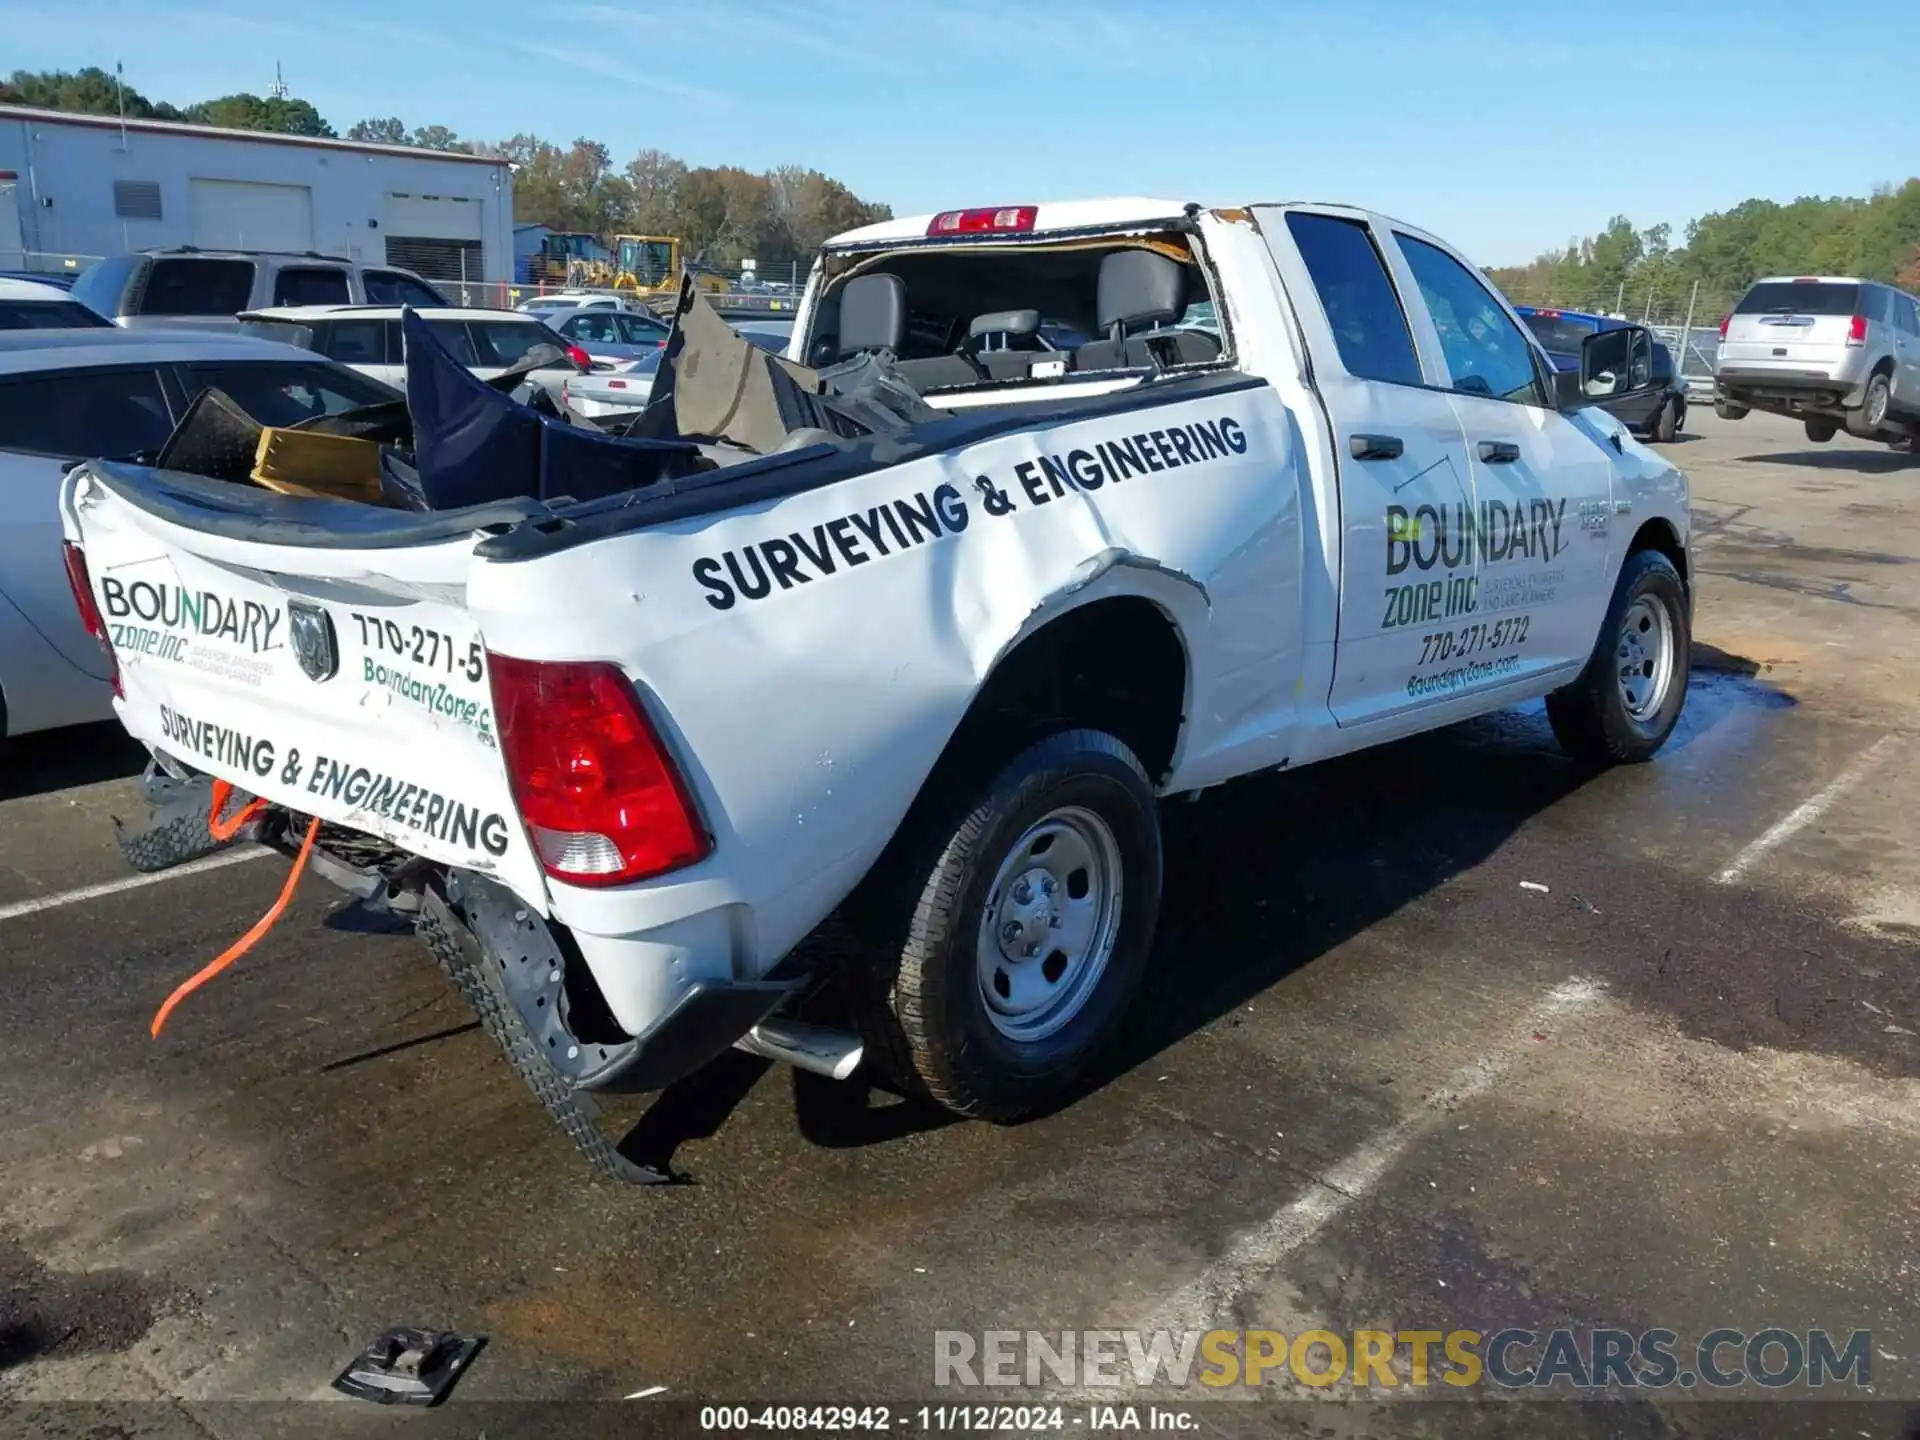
1685	319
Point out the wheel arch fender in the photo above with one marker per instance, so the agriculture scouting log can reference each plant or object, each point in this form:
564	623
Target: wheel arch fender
1113	646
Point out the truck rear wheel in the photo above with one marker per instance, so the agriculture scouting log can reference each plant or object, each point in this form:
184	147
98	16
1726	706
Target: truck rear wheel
1000	945
1820	431
1628	699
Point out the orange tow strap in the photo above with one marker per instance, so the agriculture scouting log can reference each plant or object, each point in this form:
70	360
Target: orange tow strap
227	829
260	927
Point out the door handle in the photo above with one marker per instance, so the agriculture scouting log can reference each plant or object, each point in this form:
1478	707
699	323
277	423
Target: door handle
1499	452
1376	447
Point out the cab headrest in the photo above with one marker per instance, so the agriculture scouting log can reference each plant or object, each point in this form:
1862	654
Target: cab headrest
1139	289
873	314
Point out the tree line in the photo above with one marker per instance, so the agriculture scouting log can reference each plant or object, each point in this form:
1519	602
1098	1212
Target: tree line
93	91
724	214
1642	272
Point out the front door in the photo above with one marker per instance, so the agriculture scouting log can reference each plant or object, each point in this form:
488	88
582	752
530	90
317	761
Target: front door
1406	569
1906	353
1542	485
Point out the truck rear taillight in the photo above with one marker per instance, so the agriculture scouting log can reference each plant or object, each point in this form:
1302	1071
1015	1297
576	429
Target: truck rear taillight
90	616
601	798
1857	330
1011	219
1725	320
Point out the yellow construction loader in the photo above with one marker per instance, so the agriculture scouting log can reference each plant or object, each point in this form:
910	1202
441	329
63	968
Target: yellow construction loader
649	267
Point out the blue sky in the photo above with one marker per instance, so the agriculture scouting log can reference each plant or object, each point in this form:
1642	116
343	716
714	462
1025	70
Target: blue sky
1506	127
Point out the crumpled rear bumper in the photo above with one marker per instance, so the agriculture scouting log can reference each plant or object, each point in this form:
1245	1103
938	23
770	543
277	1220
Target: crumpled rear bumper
526	957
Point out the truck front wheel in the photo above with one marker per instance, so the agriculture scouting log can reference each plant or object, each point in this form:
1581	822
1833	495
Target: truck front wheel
999	946
1627	700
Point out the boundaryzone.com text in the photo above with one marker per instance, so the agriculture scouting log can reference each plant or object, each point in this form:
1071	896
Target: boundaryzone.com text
1513	1359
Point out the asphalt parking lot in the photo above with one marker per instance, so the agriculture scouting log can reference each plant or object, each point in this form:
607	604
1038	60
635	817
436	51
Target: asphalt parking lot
1444	1036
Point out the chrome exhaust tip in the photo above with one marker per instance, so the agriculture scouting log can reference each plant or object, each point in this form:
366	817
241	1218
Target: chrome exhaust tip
833	1053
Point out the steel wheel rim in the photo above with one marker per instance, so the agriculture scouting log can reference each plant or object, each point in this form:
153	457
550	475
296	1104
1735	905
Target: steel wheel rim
1645	653
1050	924
1876	403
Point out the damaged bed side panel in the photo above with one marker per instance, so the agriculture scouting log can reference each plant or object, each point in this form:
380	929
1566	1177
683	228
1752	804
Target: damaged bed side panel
809	656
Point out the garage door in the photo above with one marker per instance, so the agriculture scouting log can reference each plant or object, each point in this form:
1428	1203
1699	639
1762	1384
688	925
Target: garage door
13	254
248	215
437	236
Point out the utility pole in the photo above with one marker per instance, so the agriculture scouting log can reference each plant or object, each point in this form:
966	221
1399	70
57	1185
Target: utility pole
120	100
1620	299
1686	334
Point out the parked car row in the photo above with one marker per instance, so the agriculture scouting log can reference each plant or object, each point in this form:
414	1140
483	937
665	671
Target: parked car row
367	338
108	367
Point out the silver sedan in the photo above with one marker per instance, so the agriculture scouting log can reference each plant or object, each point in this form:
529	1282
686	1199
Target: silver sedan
618	336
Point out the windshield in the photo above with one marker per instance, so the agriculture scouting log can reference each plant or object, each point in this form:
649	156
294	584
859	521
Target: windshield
650	262
1798	297
1560	334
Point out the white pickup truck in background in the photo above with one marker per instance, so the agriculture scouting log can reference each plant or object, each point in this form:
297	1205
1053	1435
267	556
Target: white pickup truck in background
1305	486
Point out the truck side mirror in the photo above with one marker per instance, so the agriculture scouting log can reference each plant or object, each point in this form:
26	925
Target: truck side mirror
1606	363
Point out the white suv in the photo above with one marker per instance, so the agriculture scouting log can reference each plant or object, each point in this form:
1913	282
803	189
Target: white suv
186	287
1829	350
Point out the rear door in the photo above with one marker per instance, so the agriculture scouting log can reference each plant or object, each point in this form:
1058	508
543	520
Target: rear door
361	342
1406	570
311	285
1792	324
1542	484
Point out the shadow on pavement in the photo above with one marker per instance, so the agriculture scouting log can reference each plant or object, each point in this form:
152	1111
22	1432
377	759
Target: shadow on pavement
1864	462
58	759
1263	877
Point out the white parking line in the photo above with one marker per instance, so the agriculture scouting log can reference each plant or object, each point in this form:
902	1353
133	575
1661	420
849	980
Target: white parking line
1211	1298
132	882
1806	813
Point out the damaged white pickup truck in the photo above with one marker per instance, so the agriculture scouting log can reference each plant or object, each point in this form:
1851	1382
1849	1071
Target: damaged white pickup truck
1049	512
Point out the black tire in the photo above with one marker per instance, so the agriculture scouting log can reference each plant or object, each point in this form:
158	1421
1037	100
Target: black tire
1727	410
1875	402
914	981
1820	431
1666	424
1590	717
